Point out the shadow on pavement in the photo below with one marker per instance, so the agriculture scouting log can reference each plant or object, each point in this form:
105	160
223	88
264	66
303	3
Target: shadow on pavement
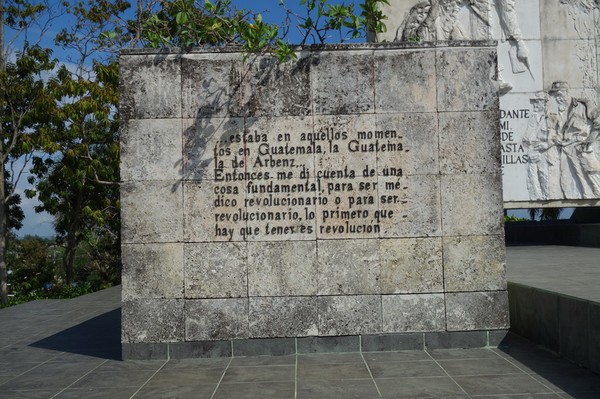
97	337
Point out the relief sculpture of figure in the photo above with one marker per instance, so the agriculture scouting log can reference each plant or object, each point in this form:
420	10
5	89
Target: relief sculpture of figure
535	141
589	155
573	126
432	20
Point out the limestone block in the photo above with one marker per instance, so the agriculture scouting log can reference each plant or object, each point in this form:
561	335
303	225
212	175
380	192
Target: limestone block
211	85
411	265
275	88
405	81
472	205
152	271
470	142
412	313
215	319
215	270
150	86
151	149
282	146
457	71
418	134
349	315
342	82
477	311
474	263
208	220
151	211
528	17
282	268
573	61
152	320
211	145
283	316
348	267
566	20
281	210
409	206
354	215
340	138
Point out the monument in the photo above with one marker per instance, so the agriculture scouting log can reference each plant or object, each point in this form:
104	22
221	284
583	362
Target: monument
347	200
549	82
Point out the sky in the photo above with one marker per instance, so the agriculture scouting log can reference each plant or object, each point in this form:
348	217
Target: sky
41	223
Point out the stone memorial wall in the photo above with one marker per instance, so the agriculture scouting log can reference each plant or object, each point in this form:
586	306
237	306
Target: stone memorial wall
354	193
549	79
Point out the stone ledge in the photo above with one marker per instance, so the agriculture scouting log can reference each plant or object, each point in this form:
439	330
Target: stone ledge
307	345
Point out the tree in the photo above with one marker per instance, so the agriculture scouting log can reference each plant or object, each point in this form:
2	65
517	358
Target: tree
24	111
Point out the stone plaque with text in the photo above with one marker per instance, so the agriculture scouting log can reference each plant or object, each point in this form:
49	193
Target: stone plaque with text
355	190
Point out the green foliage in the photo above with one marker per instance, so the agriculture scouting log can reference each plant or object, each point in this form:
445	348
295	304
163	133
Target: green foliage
508	219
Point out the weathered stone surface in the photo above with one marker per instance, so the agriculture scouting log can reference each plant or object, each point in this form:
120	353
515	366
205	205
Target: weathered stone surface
200	216
410	206
405	81
211	146
411	313
477	311
282	268
152	320
348	267
349	315
211	85
151	149
411	265
152	271
418	134
472	205
215	319
474	263
470	142
150	86
458	68
274	88
342	83
215	270
283	316
151	211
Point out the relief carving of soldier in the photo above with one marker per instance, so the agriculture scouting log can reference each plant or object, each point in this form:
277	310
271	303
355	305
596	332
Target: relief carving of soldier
571	120
539	149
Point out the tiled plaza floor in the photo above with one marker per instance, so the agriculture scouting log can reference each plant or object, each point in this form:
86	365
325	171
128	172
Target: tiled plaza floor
71	349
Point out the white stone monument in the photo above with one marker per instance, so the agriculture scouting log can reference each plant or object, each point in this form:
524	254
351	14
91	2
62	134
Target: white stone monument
549	48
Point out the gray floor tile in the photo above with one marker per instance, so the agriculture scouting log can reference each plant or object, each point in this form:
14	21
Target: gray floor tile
113	379
202	391
197	363
97	393
573	383
525	396
260	374
270	390
175	377
406	369
342	371
16	368
130	365
446	354
341	389
29	394
501	384
263	360
402	356
464	367
430	387
330	358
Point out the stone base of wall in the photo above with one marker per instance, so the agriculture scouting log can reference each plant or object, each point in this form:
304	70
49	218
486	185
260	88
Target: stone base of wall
306	345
